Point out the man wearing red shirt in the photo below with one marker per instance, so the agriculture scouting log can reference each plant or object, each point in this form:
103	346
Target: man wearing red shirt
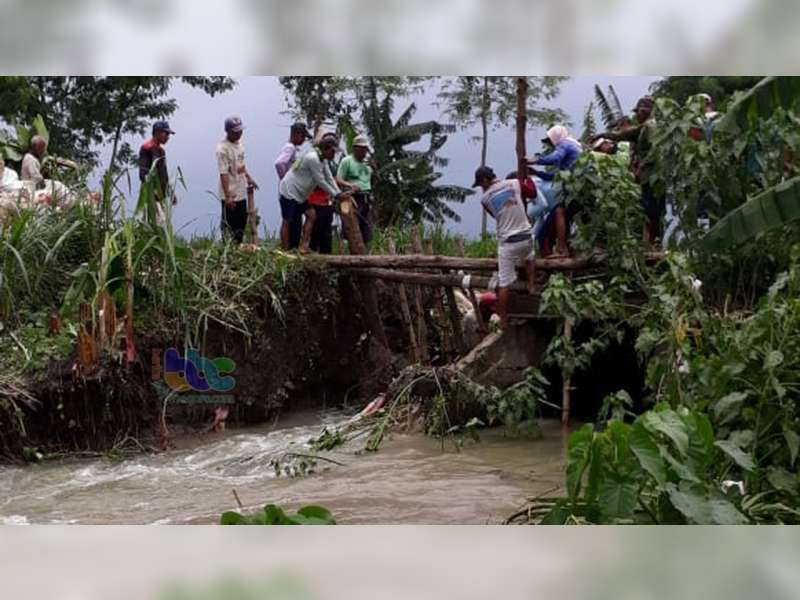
152	153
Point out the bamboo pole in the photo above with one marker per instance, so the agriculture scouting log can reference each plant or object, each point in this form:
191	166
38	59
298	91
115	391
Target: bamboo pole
566	388
406	313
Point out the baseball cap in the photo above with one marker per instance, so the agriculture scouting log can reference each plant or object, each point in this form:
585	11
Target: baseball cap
233	124
162	126
300	127
482	173
362	141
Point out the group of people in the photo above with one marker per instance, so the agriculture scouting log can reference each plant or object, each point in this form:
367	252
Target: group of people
530	209
310	183
309	189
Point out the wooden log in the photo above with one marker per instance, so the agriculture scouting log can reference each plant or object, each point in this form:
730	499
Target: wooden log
422	327
350	229
423	261
417	243
406	313
436	279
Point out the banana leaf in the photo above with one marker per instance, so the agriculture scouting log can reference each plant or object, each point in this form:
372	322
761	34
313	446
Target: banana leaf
760	102
769	210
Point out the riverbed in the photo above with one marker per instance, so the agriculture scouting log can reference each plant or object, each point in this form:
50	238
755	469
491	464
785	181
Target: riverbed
411	479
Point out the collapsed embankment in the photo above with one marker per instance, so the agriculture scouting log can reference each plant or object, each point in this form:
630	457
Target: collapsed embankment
318	352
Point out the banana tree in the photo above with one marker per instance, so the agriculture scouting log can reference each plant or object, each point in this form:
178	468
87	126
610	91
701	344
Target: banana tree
770	210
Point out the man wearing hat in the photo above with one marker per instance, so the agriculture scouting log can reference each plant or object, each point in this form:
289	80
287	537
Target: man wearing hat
151	154
233	180
502	199
357	173
290	230
309	172
640	136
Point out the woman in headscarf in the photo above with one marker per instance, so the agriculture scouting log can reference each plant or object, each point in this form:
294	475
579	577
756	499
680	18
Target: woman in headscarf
566	151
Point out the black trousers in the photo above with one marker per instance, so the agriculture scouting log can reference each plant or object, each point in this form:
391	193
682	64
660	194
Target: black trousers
322	234
234	220
364	217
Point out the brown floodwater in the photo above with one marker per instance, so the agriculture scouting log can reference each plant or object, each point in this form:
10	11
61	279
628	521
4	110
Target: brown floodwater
410	480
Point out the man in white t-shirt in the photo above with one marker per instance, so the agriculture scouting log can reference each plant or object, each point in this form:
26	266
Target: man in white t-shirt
502	199
233	180
8	176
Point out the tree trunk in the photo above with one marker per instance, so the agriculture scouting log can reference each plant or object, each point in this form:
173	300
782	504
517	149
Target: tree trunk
522	121
117	135
484	142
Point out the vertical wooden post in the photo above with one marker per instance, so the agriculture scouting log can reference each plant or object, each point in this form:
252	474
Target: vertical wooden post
566	388
416	356
522	122
352	233
350	229
438	304
421	327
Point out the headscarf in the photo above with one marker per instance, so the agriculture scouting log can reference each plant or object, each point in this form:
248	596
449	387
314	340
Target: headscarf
558	134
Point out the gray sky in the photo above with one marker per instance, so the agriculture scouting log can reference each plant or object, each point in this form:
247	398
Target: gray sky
260	102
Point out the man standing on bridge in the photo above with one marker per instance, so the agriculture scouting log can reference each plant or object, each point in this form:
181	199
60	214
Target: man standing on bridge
502	199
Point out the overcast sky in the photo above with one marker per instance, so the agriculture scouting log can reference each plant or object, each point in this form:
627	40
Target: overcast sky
260	102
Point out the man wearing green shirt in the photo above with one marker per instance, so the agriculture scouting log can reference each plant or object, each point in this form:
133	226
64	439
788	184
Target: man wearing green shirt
355	171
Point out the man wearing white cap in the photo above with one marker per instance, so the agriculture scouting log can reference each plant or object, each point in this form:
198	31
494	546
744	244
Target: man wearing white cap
356	172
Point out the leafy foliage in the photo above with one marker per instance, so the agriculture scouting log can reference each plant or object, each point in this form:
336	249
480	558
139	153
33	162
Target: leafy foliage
680	88
656	470
82	113
274	515
469	100
406	190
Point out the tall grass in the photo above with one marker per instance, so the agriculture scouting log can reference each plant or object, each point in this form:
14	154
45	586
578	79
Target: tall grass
444	242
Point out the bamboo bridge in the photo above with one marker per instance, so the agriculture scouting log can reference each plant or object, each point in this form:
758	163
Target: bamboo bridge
499	359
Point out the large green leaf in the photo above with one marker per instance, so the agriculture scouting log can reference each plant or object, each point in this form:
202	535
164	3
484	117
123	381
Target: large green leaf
793	441
646	451
760	102
739	456
232	518
617	498
727	408
320	513
771	209
703	510
579	448
668	423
